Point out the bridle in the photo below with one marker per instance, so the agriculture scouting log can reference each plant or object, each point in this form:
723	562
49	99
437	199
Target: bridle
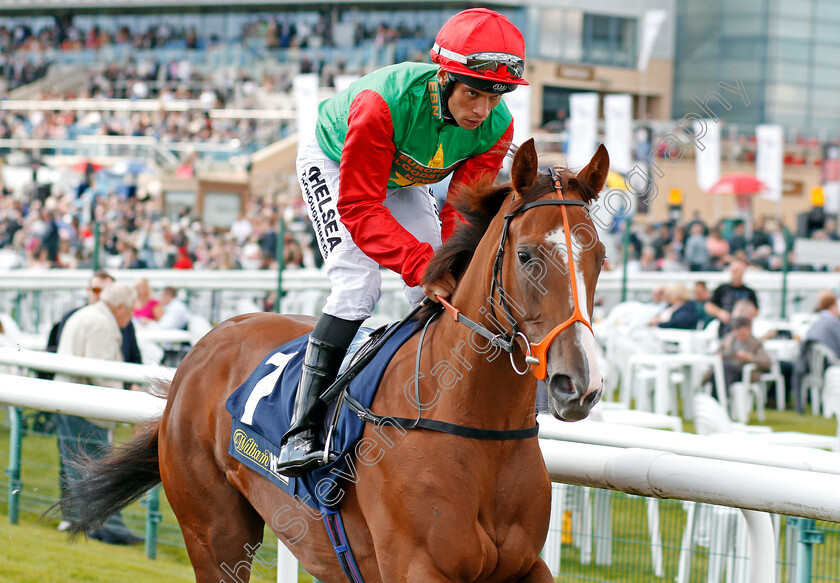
536	353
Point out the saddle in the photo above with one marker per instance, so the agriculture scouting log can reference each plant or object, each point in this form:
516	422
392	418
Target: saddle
261	409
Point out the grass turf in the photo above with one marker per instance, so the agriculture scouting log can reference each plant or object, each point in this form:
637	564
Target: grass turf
37	553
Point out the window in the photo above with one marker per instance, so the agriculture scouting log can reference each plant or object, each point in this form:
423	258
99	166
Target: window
793	28
551	25
609	40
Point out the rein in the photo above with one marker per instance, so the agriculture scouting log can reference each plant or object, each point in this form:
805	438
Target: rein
421	422
536	352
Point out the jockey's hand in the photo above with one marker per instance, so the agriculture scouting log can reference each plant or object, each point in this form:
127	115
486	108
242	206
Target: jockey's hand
442	287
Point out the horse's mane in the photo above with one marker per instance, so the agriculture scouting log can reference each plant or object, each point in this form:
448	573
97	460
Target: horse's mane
478	206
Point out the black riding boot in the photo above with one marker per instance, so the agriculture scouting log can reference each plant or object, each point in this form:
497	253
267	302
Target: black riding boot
302	450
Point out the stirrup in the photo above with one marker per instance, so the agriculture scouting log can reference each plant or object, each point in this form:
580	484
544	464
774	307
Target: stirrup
312	459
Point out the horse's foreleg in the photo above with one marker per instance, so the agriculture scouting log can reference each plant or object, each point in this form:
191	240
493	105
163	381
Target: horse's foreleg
539	573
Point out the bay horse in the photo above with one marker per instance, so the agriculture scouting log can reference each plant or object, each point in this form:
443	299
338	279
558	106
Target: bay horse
434	507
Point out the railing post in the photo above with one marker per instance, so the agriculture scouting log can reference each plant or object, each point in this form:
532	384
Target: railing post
153	518
278	253
96	229
287	564
625	244
37	309
215	305
17	312
808	537
762	546
785	270
13	471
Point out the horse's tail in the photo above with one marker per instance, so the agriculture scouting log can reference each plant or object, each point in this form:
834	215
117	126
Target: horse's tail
109	484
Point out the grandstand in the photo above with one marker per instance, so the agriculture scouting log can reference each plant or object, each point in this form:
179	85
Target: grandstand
199	97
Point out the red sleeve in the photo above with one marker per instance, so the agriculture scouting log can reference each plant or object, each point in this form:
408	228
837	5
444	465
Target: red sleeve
484	165
365	167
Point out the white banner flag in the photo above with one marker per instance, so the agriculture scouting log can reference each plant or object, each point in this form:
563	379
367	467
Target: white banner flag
618	134
519	104
708	160
583	128
651	24
769	158
306	105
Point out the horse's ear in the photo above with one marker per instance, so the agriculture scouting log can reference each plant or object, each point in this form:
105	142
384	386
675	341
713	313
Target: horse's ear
595	173
523	171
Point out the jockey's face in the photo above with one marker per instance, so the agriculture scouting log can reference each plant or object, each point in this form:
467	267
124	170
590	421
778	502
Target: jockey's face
469	107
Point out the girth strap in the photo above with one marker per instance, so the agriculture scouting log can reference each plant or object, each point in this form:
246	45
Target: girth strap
338	538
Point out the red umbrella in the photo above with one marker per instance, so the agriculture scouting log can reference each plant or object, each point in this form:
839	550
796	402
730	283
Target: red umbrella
743	186
738	184
81	167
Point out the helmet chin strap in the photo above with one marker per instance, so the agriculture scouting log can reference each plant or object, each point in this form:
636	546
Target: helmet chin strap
445	92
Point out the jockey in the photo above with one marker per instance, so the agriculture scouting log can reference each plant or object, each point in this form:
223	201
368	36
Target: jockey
365	177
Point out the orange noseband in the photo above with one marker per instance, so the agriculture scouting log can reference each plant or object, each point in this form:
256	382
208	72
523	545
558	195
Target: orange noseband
539	351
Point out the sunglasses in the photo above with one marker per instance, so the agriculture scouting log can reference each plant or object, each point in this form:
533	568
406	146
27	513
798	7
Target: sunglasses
96	290
486	61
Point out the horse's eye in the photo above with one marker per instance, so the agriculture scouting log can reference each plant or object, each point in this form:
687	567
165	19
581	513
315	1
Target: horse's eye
524	257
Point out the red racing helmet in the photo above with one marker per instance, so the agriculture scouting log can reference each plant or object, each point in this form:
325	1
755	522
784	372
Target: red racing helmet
483	49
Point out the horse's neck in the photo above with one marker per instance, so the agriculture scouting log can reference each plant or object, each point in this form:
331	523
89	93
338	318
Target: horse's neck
483	389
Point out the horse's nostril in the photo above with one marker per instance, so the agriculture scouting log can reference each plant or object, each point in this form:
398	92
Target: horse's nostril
561	384
592	398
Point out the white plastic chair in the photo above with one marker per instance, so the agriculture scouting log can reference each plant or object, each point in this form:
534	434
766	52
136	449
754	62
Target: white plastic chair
831	396
818	355
776	377
11	330
198	326
708	339
151	352
746	393
710	417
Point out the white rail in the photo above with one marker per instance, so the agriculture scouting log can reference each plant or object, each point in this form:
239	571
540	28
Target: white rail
768	285
266	280
754	483
702	446
127	372
84	400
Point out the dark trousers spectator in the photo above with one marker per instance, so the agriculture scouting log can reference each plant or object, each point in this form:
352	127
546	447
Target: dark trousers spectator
78	438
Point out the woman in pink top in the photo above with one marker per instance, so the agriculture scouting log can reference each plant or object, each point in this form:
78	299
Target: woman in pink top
718	247
146	308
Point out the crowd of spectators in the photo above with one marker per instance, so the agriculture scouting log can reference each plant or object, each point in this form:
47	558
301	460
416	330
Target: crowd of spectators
274	31
697	245
24	57
55	231
183	127
135	234
63	35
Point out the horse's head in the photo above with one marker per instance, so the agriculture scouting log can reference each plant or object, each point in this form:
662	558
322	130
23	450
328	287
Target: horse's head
533	244
555	258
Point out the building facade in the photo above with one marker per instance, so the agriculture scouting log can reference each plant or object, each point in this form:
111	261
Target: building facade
786	53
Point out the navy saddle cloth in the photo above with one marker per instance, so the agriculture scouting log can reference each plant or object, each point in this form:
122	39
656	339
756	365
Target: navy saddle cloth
261	409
